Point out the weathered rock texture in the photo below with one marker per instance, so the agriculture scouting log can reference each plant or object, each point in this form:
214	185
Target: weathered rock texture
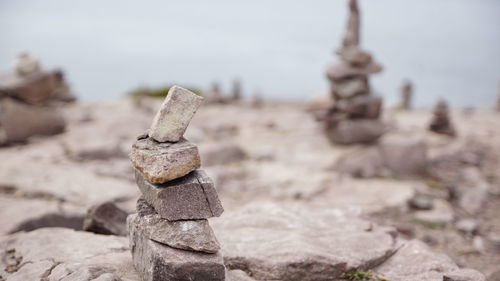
195	235
187	198
290	243
414	261
162	162
353	117
19	121
106	218
392	157
158	262
65	254
174	116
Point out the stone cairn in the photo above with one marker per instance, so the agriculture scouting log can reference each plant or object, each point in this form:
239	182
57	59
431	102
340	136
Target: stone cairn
406	95
170	237
30	98
354	114
441	122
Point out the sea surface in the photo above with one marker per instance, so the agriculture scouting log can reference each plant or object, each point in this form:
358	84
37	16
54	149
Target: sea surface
279	48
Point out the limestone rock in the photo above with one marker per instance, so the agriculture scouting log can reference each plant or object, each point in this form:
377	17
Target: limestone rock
188	198
270	242
344	70
356	131
441	213
66	255
106	218
348	88
223	154
421	201
158	262
162	162
414	261
195	235
238	275
174	116
404	158
365	106
19	121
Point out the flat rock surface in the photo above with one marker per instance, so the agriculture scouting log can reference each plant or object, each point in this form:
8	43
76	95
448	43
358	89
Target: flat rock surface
290	243
162	162
414	261
60	253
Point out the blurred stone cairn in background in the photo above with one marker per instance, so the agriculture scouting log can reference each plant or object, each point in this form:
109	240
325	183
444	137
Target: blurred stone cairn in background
29	100
406	95
170	237
441	122
354	114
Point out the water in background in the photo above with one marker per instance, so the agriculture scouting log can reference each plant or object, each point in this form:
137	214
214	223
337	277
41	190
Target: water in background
449	48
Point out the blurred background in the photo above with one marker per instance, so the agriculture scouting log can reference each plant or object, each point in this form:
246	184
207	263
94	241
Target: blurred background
279	48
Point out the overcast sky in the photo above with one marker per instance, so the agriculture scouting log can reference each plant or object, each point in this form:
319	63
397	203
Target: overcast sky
449	48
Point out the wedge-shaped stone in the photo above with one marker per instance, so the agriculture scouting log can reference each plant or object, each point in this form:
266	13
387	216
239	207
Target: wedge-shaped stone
195	235
174	116
162	162
157	262
188	198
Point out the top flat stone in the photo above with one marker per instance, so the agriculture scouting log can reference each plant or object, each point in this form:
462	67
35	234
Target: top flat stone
174	116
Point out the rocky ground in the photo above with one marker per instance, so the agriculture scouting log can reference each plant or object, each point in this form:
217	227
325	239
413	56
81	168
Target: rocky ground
294	203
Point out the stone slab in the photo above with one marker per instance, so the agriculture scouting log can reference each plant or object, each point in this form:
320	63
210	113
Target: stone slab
162	162
158	262
174	115
356	131
188	198
194	235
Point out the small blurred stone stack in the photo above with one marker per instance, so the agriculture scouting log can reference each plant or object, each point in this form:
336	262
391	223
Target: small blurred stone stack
354	114
29	99
441	122
170	236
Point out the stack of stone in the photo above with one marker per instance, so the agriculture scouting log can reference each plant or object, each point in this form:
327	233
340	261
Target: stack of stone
354	114
29	99
170	236
441	122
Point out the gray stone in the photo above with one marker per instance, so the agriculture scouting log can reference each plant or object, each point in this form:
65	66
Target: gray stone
441	213
271	242
356	131
344	70
223	154
355	55
106	218
162	162
238	275
464	275
348	88
414	261
187	198
174	116
67	255
404	158
467	225
365	163
19	121
195	235
157	262
421	201
365	106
